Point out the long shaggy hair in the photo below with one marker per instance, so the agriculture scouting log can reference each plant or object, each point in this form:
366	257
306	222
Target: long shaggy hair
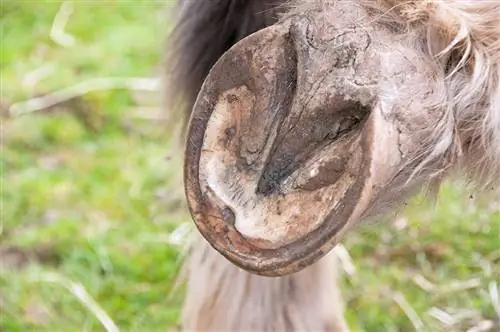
462	39
203	31
223	297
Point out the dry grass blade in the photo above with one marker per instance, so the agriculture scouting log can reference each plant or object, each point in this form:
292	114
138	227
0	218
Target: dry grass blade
495	301
83	296
57	32
458	285
31	79
483	326
412	315
96	84
442	316
345	260
423	283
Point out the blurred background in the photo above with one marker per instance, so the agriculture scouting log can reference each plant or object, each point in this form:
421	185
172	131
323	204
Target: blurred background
93	215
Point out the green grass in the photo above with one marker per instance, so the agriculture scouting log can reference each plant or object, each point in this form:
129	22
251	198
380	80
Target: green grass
88	193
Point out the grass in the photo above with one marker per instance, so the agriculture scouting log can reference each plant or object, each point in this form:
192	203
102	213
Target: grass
91	191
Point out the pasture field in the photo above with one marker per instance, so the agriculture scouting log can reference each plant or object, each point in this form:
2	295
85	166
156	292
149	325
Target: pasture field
91	195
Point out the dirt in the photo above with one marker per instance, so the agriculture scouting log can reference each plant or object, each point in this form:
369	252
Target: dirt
16	257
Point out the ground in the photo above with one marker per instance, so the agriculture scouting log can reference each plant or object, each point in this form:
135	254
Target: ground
92	191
